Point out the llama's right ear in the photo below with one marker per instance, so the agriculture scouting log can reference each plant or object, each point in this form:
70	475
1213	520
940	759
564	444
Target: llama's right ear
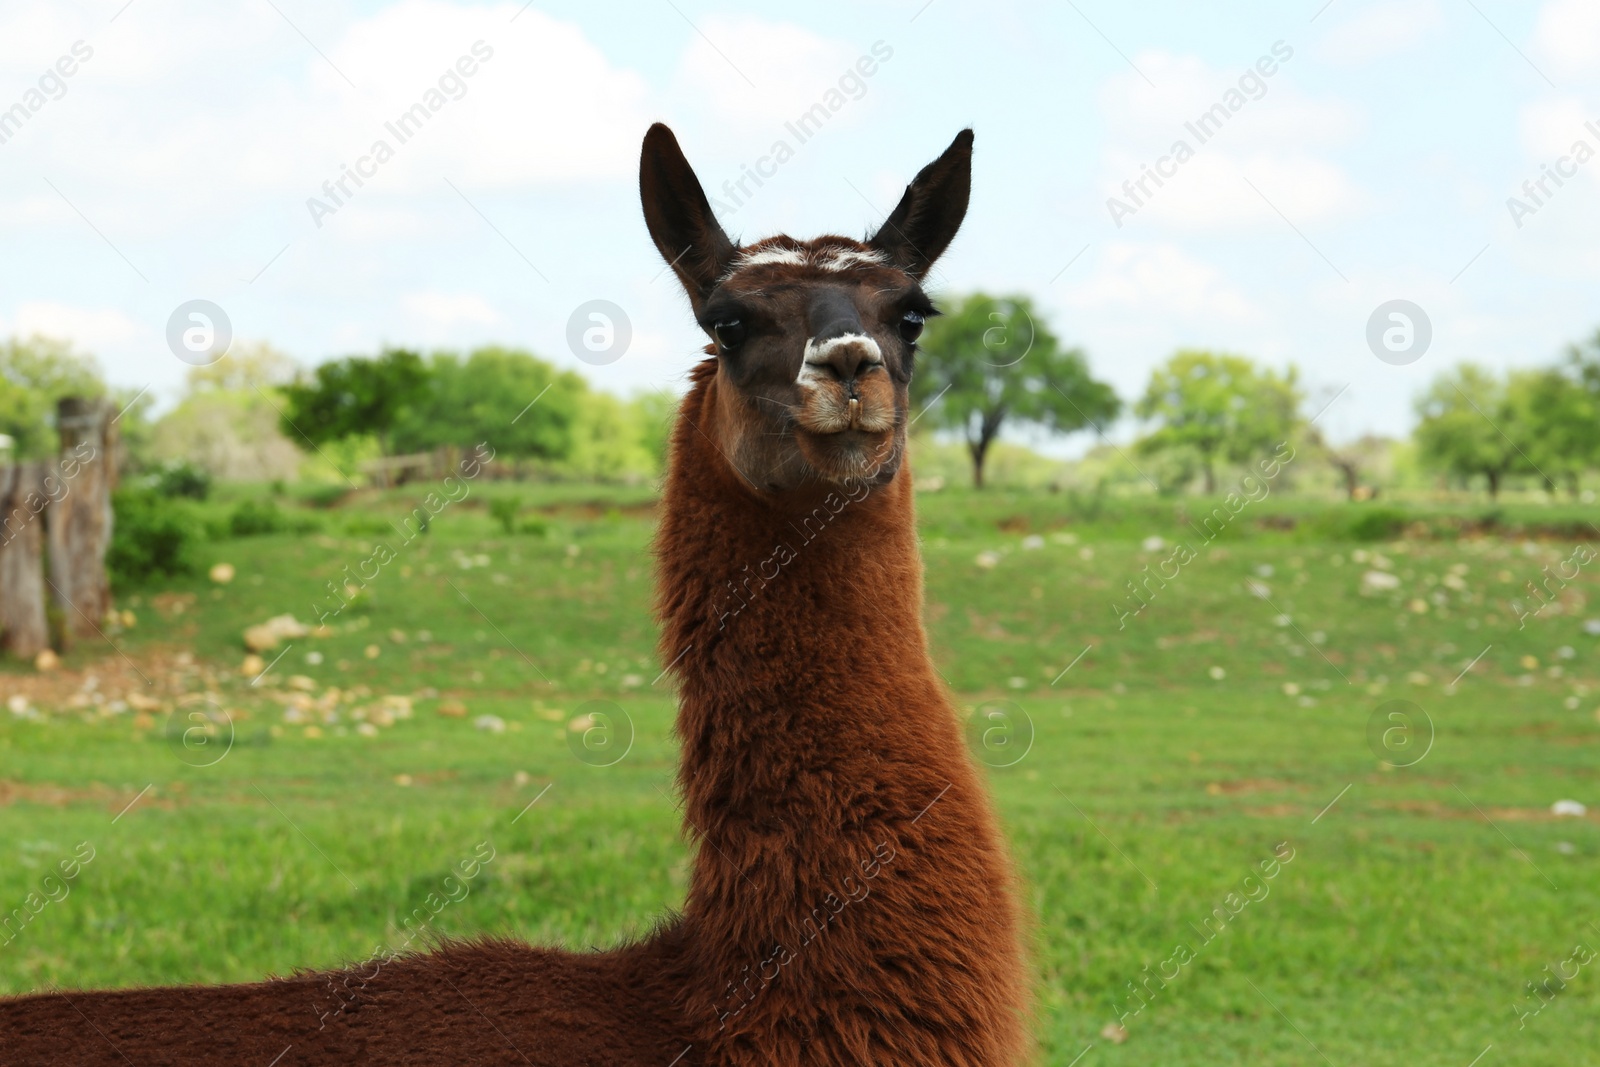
925	221
679	215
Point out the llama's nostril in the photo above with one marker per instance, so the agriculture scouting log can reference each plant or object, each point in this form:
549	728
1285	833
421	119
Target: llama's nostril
842	357
844	371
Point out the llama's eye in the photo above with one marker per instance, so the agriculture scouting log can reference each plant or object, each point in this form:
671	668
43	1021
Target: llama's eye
911	325
730	333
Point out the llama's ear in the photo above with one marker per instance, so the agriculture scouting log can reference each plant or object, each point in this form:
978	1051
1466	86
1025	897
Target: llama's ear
679	215
925	221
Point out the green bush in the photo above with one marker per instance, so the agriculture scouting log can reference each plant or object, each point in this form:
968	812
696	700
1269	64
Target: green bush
362	525
182	479
1376	524
216	525
151	536
326	496
253	517
504	511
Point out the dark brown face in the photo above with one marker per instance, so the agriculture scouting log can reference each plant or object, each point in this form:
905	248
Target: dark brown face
815	341
815	344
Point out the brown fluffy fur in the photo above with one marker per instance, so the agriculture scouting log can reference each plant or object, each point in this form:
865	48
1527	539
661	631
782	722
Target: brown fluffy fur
850	903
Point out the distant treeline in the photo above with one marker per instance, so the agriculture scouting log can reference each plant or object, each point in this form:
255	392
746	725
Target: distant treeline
989	365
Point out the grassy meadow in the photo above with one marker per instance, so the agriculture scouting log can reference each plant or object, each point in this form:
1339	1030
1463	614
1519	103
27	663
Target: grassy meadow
1146	764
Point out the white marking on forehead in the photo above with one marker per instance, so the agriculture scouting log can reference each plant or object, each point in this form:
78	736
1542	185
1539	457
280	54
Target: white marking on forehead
792	256
845	258
818	355
829	259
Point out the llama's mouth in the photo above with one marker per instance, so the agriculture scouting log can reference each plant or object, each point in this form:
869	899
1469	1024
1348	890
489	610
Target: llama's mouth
866	404
850	455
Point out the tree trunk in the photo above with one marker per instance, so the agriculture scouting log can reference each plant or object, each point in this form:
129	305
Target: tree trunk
1494	484
1211	477
23	629
988	430
1352	479
79	518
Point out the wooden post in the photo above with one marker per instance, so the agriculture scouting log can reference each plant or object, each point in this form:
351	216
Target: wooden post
79	517
23	630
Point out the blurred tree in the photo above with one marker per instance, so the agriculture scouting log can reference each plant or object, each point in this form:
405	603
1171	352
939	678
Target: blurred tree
1558	423
654	413
990	362
1584	358
1224	408
245	368
1353	459
228	423
609	440
1467	425
522	406
1583	365
355	396
34	374
1173	470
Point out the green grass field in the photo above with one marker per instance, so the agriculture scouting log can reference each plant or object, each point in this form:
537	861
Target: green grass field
1145	786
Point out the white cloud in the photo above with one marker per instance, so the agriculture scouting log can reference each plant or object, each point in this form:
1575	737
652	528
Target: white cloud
789	69
1549	127
264	112
544	104
1162	280
1378	30
1553	188
440	312
1277	138
35	36
1567	36
94	329
1213	191
1549	225
1186	86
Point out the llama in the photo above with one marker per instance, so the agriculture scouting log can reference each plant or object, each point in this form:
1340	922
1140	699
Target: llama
851	900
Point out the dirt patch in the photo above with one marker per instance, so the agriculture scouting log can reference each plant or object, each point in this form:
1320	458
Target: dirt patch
1275	811
154	680
1249	786
1434	809
50	794
591	512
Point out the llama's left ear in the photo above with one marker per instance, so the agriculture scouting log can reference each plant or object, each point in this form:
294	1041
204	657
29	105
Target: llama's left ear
679	215
924	223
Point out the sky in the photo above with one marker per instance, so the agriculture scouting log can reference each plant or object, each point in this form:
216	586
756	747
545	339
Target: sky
1359	152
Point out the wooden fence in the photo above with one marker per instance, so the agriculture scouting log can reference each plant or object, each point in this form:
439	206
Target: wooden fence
55	528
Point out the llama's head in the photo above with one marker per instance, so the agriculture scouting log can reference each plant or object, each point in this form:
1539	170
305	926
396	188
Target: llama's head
814	340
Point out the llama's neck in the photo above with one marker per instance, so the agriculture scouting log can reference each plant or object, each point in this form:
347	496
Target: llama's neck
795	628
845	841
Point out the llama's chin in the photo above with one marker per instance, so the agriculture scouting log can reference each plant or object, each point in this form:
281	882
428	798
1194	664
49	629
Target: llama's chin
852	456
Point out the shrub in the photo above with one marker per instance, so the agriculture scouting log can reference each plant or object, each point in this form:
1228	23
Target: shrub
1087	507
151	536
182	479
362	525
1376	524
504	511
254	517
326	496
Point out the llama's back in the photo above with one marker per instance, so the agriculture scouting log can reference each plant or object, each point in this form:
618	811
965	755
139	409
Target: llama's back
477	1003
